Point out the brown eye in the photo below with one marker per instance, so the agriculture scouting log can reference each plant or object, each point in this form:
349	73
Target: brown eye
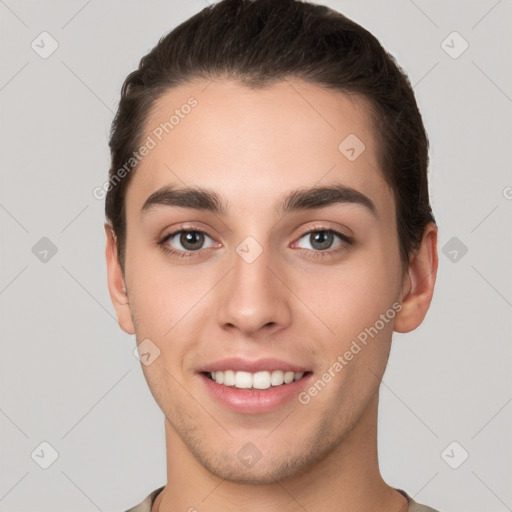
191	240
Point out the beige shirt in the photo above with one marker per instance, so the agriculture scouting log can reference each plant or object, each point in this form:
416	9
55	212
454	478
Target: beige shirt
145	506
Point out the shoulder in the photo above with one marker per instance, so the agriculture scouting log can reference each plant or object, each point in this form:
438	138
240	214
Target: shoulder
147	503
415	506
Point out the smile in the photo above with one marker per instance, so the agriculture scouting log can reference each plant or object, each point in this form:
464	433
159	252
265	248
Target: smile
257	380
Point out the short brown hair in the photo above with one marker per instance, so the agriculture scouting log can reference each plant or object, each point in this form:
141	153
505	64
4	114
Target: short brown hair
259	42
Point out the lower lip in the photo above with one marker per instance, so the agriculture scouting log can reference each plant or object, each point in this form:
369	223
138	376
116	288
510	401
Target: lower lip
258	401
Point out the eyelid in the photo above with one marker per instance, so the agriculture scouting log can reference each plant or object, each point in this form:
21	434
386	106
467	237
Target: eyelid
324	227
187	226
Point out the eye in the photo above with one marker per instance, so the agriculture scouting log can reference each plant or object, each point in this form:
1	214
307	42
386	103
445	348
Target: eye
322	239
185	241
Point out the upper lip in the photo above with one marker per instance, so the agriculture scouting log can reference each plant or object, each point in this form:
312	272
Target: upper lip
246	365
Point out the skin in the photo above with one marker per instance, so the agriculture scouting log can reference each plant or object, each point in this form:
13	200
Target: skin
252	147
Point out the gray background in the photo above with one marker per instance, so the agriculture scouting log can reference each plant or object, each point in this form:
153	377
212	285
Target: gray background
68	373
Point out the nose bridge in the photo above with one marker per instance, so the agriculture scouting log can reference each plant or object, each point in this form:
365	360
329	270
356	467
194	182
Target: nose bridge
252	296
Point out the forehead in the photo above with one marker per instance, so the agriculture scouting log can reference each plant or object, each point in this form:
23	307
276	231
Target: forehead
253	145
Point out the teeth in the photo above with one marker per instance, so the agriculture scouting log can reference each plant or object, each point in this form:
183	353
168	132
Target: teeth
288	377
258	380
277	378
229	377
243	380
261	380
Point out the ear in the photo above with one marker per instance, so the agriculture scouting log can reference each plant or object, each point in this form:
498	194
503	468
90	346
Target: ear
418	283
116	283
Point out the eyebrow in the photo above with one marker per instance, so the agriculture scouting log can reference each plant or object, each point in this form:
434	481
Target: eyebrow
199	198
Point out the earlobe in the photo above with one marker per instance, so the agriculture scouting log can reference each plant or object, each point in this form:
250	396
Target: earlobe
116	283
418	287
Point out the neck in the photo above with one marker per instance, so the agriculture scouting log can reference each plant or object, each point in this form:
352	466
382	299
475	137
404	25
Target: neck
348	479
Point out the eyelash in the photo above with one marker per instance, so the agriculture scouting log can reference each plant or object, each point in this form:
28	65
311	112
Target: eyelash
347	242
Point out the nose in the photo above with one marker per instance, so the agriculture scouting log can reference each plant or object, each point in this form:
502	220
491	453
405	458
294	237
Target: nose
254	296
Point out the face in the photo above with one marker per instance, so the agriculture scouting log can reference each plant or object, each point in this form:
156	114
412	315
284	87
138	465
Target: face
268	285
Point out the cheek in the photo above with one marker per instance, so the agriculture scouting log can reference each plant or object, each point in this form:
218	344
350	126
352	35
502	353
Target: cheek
159	296
355	305
351	296
168	305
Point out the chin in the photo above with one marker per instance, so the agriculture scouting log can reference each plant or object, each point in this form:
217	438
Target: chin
249	466
261	473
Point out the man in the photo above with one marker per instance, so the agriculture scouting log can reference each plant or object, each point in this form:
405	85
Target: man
268	228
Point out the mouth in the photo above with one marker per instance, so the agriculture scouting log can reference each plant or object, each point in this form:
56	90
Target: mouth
260	380
254	387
